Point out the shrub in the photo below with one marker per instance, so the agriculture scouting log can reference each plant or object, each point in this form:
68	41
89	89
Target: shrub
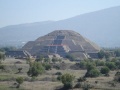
92	73
58	73
67	80
47	66
35	69
99	63
96	82
59	78
78	85
90	66
19	80
19	70
111	65
117	77
82	64
105	70
57	67
101	54
86	86
81	79
2	67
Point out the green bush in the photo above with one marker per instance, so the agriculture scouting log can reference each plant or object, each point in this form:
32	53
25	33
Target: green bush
101	54
92	73
99	63
59	77
67	80
105	70
58	73
81	79
90	66
83	64
111	65
19	80
35	69
47	66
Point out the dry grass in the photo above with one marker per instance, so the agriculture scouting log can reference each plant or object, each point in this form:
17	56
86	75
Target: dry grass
103	82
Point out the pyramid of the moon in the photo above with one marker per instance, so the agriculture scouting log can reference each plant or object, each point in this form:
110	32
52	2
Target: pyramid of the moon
62	42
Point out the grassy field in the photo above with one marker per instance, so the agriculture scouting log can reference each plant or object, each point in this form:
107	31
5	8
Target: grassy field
47	81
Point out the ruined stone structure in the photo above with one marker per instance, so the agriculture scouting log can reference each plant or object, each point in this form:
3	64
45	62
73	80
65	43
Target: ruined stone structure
62	42
22	54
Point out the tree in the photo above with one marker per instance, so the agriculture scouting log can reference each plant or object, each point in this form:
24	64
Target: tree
111	65
107	55
92	71
99	63
67	80
19	80
90	66
82	64
101	54
117	53
105	70
2	57
35	69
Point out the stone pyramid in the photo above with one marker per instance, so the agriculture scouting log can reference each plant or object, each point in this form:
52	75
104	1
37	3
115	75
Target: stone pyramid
63	42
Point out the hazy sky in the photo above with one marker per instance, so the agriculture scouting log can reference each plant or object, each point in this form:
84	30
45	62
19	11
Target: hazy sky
27	11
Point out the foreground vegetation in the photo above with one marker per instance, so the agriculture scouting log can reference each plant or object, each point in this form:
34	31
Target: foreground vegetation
61	74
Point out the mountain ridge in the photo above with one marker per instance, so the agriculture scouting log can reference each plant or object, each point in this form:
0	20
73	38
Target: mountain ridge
97	26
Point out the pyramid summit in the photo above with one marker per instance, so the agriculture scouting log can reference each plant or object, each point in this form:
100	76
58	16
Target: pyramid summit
63	42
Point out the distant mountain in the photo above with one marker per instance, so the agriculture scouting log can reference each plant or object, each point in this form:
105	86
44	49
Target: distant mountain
101	27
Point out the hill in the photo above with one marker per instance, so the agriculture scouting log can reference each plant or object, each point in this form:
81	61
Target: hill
102	27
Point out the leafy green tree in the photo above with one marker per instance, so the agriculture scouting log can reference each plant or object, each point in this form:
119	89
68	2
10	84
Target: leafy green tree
117	53
83	64
105	70
107	55
90	66
67	80
35	69
117	64
101	54
111	65
5	49
99	63
19	80
94	73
